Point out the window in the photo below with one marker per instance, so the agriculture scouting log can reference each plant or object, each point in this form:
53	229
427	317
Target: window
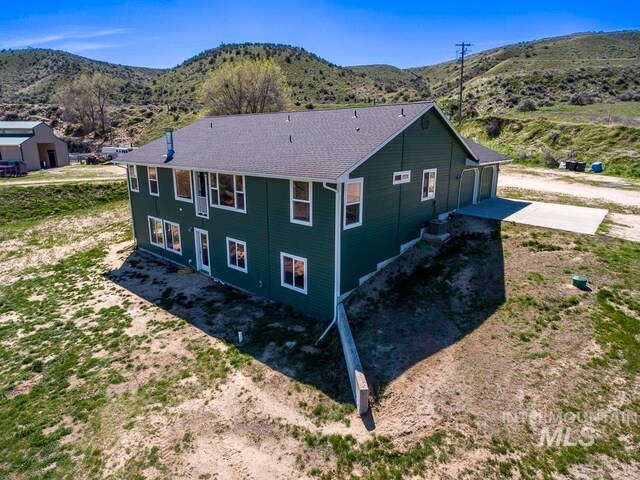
155	232
236	254
153	181
133	178
172	231
227	191
301	194
429	184
401	177
353	203
294	272
182	185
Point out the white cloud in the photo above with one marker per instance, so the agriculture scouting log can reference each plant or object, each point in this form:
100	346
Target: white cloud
28	42
53	39
84	46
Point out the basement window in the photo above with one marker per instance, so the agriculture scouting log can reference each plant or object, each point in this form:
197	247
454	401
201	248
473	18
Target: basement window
353	203
227	191
293	272
182	185
301	198
236	254
156	236
401	177
172	231
133	178
429	184
153	182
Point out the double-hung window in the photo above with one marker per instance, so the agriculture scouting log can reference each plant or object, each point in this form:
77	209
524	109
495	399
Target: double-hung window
353	203
182	185
133	178
156	235
301	200
293	272
429	184
153	181
227	191
172	231
237	254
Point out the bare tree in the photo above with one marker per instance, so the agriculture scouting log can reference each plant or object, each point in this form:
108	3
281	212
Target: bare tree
88	100
247	87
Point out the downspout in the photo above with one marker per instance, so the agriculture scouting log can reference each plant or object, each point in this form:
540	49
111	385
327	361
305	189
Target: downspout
337	250
450	171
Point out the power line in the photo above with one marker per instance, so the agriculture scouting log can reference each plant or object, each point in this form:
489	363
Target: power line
463	51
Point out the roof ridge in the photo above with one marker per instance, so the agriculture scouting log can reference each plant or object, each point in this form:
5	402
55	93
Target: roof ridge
320	110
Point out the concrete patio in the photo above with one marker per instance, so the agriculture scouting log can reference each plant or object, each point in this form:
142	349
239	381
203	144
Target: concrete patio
539	214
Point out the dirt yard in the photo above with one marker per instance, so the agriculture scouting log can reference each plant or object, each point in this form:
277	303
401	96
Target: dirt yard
69	173
620	195
117	365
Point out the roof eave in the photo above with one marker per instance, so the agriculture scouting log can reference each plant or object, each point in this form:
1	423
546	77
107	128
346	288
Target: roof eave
229	172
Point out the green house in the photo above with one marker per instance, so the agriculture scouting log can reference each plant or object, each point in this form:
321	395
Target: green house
302	207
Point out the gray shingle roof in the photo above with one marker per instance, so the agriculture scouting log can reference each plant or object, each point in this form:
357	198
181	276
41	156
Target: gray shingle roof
316	144
324	143
485	155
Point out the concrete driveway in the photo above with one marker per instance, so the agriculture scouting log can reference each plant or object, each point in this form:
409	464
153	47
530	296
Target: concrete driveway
549	215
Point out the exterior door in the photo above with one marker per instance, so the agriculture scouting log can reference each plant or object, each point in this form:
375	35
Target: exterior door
202	250
202	187
51	155
486	183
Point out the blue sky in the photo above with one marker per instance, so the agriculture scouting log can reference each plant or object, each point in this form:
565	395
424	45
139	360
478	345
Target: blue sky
406	33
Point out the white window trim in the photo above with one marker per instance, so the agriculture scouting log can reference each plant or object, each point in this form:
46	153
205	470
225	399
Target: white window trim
435	180
149	218
235	192
157	181
344	207
135	169
164	236
310	202
235	267
402	174
306	277
175	186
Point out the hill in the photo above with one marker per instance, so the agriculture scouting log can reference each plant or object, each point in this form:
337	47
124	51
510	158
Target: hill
581	68
35	75
521	79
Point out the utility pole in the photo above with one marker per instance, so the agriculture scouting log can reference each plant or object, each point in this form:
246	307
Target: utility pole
463	50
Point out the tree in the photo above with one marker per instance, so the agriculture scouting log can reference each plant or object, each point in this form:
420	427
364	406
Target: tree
88	100
247	87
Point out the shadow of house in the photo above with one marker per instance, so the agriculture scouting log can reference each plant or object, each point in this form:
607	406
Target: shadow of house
423	311
398	319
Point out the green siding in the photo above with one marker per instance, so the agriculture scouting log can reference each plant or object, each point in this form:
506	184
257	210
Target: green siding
394	214
267	231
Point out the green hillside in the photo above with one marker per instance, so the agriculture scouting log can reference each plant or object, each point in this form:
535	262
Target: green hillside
35	75
591	80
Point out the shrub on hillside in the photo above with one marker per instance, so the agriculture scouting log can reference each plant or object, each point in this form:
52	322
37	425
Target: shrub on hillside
527	105
581	99
548	159
493	127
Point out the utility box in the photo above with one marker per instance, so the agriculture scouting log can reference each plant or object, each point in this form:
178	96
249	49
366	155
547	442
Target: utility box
437	227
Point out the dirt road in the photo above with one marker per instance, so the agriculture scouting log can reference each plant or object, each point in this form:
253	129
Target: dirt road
584	185
604	191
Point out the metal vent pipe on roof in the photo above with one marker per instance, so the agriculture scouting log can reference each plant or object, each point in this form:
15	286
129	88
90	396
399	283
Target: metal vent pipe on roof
169	136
